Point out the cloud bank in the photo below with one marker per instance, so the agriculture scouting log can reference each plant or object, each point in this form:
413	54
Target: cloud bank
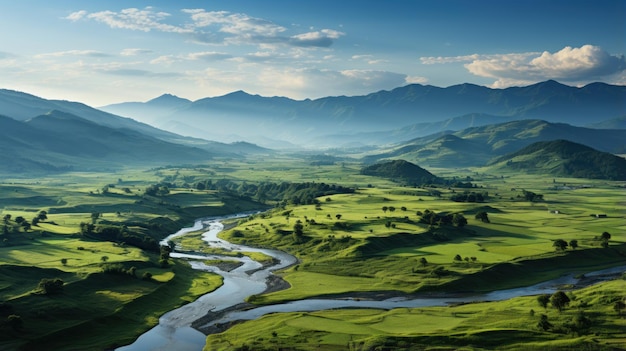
210	27
569	65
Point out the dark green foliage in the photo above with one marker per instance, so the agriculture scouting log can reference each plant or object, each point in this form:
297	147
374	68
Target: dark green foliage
559	300
119	269
402	172
459	220
532	197
543	300
294	193
467	196
482	216
119	234
50	286
543	323
15	322
560	244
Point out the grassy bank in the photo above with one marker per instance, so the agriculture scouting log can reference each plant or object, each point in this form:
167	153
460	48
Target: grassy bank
507	325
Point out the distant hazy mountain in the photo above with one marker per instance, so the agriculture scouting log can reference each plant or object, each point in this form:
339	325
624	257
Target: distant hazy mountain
59	141
564	159
22	106
476	146
413	110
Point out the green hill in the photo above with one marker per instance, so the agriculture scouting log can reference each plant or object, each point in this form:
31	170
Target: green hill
476	146
564	158
400	171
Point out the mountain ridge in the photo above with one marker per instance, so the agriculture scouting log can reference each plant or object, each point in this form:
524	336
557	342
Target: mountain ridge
386	110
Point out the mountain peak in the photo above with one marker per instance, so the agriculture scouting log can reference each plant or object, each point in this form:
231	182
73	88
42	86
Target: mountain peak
167	99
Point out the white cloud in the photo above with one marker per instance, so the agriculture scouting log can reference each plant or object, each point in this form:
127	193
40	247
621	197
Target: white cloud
321	38
135	52
164	60
88	53
75	16
134	19
571	65
211	27
314	83
209	56
416	80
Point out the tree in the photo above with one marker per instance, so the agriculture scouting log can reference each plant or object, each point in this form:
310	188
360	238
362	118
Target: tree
385	208
458	258
298	231
19	219
423	261
392	209
104	258
573	244
95	216
560	244
459	220
6	218
619	306
338	216
64	261
543	300
543	323
50	286
42	215
559	300
15	321
482	216
605	236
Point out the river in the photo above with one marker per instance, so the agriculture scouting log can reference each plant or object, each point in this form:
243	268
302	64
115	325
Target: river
174	331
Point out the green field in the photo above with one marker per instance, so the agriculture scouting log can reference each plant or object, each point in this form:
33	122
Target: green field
370	241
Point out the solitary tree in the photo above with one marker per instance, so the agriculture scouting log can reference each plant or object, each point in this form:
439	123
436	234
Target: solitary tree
338	216
42	216
573	244
619	306
50	286
560	244
605	235
543	300
385	208
458	258
423	261
543	323
559	300
459	220
482	216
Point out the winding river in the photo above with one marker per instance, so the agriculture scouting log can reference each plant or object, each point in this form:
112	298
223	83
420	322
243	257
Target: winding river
174	331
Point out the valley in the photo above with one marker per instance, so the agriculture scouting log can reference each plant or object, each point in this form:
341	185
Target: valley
364	242
86	197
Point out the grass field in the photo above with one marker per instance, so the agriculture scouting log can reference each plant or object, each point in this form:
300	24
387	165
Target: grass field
351	243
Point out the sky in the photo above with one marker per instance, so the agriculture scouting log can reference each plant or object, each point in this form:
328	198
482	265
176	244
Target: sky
104	52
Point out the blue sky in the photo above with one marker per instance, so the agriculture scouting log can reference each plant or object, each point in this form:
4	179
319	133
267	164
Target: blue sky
102	52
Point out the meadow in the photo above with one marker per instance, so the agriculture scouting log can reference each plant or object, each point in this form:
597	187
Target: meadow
373	241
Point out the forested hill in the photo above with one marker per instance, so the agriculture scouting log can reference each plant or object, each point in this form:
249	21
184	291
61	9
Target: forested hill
400	171
565	159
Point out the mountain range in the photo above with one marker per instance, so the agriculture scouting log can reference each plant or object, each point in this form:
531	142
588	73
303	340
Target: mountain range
410	123
381	117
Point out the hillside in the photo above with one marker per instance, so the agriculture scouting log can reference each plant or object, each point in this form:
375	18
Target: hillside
422	109
564	159
59	141
400	171
477	145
